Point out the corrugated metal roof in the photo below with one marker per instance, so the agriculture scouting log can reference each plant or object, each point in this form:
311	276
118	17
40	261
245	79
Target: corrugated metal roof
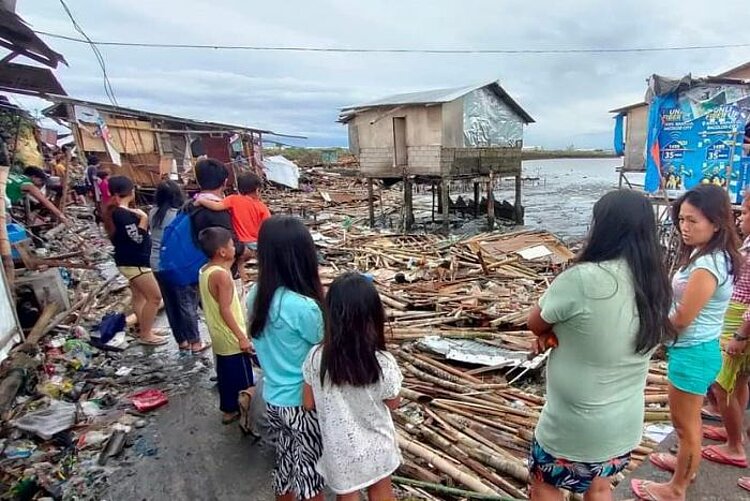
436	96
55	110
424	97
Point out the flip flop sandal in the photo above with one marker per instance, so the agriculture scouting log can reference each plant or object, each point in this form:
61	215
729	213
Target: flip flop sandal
718	433
666	462
160	342
231	419
710	415
245	399
204	346
663	461
161	332
744	482
714	454
640	489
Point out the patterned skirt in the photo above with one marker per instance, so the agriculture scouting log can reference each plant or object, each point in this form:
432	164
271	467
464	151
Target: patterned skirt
298	449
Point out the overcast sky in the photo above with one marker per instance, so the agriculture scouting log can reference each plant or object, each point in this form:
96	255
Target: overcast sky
300	93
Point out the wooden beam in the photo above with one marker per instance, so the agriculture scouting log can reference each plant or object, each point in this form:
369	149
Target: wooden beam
491	202
446	206
476	199
408	204
371	202
518	209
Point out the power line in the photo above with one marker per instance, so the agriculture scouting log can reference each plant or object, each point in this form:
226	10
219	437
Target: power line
108	90
349	50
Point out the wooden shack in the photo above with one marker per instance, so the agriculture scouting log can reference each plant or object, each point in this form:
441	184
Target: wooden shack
148	146
438	136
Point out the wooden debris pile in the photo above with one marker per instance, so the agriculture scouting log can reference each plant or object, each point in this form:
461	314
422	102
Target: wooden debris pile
465	430
457	309
329	196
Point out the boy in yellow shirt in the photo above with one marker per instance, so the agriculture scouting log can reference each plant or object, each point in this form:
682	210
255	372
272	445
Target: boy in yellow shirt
225	320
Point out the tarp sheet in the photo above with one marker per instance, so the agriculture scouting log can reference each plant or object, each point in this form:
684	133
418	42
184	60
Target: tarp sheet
619	135
489	121
282	171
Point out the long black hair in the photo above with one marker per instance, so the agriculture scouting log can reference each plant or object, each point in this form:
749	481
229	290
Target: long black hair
286	258
624	227
168	196
713	202
355	332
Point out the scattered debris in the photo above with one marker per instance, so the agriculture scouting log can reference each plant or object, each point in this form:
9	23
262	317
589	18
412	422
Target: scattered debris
76	390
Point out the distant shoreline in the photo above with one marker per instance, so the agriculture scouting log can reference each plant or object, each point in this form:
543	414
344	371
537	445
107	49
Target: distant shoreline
555	154
315	156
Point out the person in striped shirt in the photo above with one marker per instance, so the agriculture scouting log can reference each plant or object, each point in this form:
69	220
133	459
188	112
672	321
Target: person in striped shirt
731	391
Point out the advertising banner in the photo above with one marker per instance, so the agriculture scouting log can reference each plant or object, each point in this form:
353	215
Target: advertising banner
696	137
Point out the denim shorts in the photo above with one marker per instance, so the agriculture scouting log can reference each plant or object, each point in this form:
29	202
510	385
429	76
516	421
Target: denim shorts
693	369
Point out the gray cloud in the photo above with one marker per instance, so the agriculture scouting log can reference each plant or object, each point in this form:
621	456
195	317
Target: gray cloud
569	95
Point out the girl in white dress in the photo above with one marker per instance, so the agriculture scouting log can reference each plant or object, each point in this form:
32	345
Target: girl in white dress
353	382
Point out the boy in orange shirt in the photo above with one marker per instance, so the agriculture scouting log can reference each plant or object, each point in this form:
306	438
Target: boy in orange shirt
247	210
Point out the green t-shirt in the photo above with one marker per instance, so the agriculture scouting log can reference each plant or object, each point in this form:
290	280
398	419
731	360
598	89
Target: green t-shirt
595	380
14	185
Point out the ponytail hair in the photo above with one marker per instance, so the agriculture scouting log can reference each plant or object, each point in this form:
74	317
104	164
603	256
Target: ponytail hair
119	187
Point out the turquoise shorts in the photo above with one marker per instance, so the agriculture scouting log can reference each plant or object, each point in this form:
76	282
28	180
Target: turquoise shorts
693	369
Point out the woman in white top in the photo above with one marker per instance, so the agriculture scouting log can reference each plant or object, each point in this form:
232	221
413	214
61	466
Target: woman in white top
353	382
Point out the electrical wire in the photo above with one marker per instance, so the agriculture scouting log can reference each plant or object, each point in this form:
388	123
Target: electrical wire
605	50
108	90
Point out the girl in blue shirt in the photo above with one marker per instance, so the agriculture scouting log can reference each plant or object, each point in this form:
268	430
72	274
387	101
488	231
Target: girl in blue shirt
286	321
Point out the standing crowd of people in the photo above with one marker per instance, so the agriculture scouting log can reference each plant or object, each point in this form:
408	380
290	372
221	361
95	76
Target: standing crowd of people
610	312
329	382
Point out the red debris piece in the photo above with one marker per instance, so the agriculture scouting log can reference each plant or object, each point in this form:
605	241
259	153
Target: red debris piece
148	400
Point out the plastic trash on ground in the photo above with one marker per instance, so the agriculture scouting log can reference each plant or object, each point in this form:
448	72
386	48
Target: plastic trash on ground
46	423
148	400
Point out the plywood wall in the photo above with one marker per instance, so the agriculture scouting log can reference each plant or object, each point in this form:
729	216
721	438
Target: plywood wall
635	139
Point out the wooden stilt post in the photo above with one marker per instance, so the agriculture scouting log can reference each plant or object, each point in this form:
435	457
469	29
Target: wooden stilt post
408	204
491	202
446	206
433	201
518	208
476	199
371	202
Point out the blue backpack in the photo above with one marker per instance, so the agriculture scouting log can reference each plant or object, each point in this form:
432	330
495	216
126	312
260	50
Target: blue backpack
181	258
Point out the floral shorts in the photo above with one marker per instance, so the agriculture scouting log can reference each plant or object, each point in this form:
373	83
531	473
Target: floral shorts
569	475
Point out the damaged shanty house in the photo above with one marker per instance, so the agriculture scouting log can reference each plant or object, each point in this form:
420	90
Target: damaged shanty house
150	146
437	137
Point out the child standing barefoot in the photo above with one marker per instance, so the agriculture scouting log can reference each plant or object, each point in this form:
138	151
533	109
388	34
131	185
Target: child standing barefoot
225	320
286	322
352	382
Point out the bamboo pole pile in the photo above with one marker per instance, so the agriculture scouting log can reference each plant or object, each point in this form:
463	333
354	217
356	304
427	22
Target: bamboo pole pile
472	432
461	427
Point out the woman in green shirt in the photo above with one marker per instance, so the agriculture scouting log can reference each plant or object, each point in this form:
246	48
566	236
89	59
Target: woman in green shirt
608	312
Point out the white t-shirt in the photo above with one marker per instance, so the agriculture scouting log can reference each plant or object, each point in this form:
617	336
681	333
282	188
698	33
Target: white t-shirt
359	439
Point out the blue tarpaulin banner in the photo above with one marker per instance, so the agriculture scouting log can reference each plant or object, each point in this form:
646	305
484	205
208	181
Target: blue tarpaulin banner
695	137
619	135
